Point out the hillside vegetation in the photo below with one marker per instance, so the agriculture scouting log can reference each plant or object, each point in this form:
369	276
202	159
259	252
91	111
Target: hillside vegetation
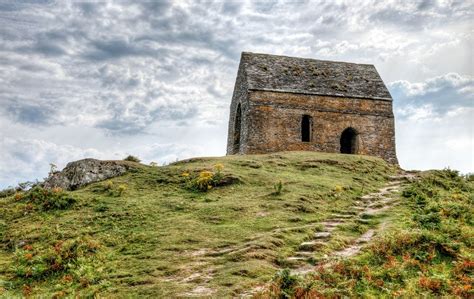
203	227
427	251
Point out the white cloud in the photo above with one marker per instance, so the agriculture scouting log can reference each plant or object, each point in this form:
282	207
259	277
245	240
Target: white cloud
446	141
114	77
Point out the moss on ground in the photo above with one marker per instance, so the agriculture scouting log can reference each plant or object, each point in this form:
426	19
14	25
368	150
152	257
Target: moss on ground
148	233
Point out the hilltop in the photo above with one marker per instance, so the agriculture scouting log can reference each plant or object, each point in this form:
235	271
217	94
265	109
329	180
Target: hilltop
222	227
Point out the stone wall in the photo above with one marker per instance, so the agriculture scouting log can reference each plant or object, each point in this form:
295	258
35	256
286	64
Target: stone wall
239	97
273	123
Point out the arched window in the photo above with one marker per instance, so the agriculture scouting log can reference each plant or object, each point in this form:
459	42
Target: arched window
349	141
237	127
306	123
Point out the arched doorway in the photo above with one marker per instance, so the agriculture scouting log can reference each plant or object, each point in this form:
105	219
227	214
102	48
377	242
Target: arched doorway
237	127
349	141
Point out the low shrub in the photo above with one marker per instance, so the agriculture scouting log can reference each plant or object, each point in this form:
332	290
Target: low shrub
7	192
205	180
132	159
121	189
110	188
68	259
47	199
284	282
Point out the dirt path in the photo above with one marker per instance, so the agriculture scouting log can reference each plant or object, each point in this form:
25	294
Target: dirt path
302	260
365	208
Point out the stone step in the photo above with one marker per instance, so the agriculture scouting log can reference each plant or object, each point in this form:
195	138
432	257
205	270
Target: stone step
310	245
377	205
330	225
296	261
363	221
367	197
296	258
342	216
340	220
305	254
343	212
334	220
322	235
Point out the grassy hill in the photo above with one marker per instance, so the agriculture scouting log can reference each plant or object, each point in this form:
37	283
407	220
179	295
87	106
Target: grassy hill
201	227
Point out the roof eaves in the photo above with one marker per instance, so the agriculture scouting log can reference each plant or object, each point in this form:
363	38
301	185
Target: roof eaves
321	94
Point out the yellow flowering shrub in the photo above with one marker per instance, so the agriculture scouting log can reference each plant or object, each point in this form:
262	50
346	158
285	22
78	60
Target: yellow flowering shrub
205	180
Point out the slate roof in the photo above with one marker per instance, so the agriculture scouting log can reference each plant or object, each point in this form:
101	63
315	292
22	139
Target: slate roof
312	76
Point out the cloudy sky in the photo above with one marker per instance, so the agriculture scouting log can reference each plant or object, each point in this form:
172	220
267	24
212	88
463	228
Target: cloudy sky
155	79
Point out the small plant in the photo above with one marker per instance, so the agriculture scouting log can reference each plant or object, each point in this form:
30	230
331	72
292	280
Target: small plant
286	283
108	186
278	187
112	189
131	158
18	196
121	189
205	180
338	189
153	164
218	172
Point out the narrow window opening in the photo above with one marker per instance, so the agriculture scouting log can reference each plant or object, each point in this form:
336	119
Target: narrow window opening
349	141
306	128
237	127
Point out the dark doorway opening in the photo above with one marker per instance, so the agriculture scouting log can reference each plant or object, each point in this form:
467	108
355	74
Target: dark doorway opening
349	142
237	127
306	128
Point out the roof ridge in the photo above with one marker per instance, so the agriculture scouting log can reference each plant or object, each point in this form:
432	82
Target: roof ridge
303	58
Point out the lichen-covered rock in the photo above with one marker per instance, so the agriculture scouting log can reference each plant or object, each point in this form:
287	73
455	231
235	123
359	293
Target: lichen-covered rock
80	173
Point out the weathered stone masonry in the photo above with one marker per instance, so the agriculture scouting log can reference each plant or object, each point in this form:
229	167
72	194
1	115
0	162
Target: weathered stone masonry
285	103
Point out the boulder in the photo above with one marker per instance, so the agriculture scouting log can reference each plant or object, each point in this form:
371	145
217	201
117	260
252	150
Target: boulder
80	173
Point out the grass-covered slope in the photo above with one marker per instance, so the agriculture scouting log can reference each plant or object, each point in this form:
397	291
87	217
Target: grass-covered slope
152	232
425	252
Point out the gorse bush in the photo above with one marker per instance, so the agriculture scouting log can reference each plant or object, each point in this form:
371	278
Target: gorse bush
70	260
110	188
132	159
205	180
47	199
121	189
431	254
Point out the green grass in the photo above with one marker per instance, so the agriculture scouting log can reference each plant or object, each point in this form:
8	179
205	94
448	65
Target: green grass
148	233
425	251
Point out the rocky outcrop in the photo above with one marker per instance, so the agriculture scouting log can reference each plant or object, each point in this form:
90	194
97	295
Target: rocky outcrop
80	173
